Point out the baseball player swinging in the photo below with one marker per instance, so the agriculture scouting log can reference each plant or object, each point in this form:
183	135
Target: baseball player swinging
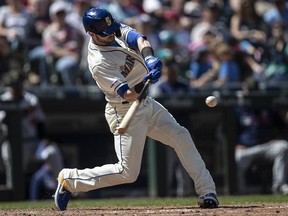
121	60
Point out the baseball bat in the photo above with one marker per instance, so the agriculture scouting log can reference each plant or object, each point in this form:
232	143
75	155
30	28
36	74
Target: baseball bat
133	109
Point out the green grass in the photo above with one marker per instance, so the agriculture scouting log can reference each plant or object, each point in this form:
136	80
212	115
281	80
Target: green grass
124	202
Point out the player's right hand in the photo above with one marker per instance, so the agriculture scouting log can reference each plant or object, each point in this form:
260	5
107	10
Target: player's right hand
153	75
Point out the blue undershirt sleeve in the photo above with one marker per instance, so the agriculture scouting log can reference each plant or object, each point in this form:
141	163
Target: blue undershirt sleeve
132	39
121	91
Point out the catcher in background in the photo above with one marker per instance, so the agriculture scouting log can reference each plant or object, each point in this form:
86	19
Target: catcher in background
258	139
121	60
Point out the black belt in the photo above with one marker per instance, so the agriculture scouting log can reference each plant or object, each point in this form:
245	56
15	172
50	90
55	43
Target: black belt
125	102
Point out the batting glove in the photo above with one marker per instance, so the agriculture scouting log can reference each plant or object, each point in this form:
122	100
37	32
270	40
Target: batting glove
153	75
153	63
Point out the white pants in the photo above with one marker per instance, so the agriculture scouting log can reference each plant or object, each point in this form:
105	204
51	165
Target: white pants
152	120
275	151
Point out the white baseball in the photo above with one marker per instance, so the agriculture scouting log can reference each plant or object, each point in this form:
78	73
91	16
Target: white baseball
211	101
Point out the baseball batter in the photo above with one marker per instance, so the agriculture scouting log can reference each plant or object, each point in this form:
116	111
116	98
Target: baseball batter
121	60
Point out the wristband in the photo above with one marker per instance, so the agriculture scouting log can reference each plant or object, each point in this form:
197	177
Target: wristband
147	51
138	87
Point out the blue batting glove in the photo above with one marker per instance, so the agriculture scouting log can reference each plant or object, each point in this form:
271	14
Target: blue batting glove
153	75
153	63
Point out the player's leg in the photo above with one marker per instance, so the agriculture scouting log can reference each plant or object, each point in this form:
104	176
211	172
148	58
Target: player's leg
125	171
66	67
164	128
82	180
277	151
244	159
129	150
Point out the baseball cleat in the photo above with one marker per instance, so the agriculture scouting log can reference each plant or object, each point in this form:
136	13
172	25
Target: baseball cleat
208	201
62	195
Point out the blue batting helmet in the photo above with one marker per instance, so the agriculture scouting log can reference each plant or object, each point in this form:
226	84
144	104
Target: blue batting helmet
100	21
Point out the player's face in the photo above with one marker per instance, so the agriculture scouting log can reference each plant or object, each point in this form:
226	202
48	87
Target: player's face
103	40
108	39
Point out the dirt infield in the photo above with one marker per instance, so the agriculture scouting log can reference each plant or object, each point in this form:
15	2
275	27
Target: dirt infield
263	209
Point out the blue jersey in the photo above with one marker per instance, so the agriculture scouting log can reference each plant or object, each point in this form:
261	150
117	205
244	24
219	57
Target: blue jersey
256	126
199	68
229	70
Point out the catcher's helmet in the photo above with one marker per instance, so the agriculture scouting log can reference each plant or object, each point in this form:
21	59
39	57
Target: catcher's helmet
100	21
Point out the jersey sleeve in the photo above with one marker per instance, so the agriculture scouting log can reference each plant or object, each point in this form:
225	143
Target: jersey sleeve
130	36
110	80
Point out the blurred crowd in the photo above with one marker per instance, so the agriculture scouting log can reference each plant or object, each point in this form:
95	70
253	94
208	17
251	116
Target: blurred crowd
203	43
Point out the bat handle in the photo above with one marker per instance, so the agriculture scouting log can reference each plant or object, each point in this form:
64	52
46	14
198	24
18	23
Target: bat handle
133	109
144	89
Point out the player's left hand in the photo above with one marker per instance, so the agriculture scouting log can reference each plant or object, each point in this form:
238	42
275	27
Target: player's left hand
153	63
153	75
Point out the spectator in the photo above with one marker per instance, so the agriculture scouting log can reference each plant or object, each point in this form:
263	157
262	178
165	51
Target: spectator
74	18
278	12
40	13
210	23
170	41
170	83
229	72
258	140
277	68
33	121
176	23
249	29
63	43
15	25
154	8
192	10
218	70
36	53
44	180
201	67
124	10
